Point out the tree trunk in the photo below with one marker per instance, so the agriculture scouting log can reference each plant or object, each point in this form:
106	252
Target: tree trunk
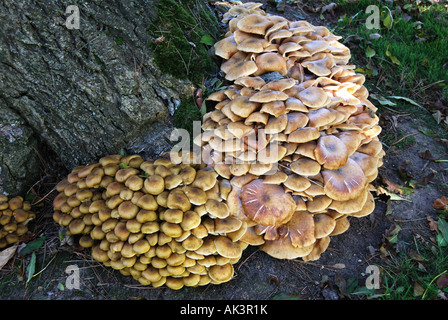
90	91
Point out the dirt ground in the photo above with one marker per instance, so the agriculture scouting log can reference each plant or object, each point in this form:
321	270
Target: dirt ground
257	275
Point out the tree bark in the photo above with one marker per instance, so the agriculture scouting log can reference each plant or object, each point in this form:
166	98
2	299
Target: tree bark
90	91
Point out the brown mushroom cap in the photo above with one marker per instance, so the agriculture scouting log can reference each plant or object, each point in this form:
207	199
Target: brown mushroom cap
254	23
313	97
282	248
331	152
221	273
346	182
226	47
227	248
266	204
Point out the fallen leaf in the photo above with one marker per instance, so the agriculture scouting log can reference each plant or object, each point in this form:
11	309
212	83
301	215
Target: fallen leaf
391	57
426	155
432	224
31	268
391	186
421	267
442	237
418	289
392	196
207	40
338	266
382	100
440	204
408	100
437	116
32	246
392	233
415	256
329	8
341	283
370	52
374	36
403	172
7	254
442	281
388	20
423	181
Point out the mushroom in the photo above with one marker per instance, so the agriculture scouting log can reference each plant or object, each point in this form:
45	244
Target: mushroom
15	214
266	204
163	222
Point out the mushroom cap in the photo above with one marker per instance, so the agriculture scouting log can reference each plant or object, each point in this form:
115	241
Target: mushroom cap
217	208
268	95
346	182
331	152
313	97
305	167
297	183
253	44
342	225
320	246
323	225
221	273
238	69
296	120
282	248
254	23
266	204
321	117
303	135
350	206
227	248
226	47
300	229
242	106
270	62
251	82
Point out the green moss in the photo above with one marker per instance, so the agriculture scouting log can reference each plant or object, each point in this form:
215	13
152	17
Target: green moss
119	41
185	114
183	23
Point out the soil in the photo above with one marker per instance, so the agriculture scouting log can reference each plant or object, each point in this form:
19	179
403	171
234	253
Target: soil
257	275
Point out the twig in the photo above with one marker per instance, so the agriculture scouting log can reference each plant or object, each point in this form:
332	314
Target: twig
406	136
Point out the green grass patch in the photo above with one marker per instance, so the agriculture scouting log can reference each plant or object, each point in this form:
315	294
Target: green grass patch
409	57
419	271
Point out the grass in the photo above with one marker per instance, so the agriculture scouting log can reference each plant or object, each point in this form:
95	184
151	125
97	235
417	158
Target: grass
407	58
414	274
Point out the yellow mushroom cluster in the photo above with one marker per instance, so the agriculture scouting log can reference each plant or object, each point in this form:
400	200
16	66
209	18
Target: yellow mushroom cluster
294	133
15	213
161	223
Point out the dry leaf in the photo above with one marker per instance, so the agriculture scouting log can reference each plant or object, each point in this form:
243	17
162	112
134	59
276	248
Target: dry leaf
433	226
426	155
440	204
7	254
391	186
415	256
442	281
418	289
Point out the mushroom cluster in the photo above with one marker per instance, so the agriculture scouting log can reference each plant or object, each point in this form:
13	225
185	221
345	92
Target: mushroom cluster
15	213
163	223
294	133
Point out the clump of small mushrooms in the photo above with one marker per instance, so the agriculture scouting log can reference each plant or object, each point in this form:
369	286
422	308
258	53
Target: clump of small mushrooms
162	223
294	132
15	213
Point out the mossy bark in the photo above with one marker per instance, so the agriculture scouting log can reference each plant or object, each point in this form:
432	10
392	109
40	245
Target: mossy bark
104	87
186	29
